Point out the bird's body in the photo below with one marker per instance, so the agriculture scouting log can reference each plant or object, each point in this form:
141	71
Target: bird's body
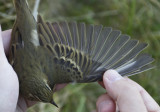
44	54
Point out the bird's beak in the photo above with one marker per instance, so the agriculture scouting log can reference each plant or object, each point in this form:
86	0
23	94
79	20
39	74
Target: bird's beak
54	103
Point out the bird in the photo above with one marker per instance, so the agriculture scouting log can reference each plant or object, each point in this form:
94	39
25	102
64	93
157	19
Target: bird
44	54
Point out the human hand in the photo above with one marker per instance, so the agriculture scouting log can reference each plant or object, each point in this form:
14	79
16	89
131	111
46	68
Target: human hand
9	85
126	94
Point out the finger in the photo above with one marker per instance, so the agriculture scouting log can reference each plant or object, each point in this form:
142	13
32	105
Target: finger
149	102
30	103
105	104
9	88
151	105
6	37
123	92
101	83
2	54
58	87
23	104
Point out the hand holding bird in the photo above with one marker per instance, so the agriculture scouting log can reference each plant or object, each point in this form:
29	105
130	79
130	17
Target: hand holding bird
10	88
22	105
44	54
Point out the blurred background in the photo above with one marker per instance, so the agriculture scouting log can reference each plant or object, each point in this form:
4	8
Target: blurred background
138	18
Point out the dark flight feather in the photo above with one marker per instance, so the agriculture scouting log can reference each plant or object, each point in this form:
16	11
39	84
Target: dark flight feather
93	49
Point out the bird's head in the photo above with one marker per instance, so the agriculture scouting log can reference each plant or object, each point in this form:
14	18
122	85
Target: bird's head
41	91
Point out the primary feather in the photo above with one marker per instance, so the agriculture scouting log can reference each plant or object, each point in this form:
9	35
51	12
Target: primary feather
44	54
86	51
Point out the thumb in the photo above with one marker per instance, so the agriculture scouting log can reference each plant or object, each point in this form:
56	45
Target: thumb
127	95
9	87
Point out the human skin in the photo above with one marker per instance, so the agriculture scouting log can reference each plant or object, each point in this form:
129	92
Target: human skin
129	96
9	85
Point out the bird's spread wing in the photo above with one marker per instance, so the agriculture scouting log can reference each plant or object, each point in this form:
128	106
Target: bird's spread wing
92	49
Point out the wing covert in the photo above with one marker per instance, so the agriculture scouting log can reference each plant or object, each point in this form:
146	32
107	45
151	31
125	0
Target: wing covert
93	48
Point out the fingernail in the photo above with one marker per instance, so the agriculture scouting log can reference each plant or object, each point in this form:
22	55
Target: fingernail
112	75
103	106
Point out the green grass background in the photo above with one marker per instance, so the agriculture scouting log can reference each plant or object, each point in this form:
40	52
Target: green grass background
138	18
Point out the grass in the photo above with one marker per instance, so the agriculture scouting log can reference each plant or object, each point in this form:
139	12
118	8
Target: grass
137	18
